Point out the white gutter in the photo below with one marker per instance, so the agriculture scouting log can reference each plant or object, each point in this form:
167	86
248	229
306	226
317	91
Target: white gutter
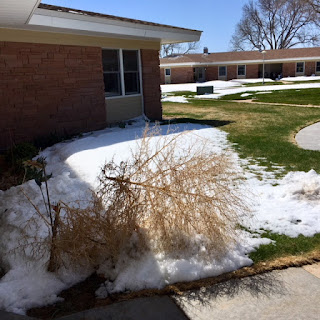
223	63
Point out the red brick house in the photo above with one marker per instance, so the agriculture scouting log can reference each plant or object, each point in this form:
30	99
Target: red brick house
240	65
66	70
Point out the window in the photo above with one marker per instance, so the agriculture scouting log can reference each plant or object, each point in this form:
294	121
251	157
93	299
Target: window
222	71
300	67
131	71
111	72
121	72
318	66
242	70
168	72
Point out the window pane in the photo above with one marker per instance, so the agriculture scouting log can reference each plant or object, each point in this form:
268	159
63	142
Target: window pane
110	60
130	60
112	85
318	66
168	72
222	71
131	82
242	70
300	67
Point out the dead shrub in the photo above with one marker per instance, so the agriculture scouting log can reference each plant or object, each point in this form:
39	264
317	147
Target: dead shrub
90	236
182	194
171	196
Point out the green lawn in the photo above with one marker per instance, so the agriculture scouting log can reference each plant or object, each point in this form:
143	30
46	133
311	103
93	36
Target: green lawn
260	84
285	246
259	131
187	94
292	96
278	83
266	134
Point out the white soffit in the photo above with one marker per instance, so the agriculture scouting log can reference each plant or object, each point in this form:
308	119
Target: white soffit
55	21
16	12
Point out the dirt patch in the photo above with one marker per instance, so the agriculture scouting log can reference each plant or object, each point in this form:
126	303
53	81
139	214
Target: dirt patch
9	177
77	298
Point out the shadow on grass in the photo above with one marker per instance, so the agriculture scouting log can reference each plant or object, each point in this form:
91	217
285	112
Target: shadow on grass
261	285
212	123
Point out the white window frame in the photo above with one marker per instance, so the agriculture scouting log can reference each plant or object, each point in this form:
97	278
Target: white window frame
304	67
245	71
219	72
123	90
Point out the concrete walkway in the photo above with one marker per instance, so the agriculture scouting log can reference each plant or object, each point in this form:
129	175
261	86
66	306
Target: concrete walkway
283	295
293	293
309	138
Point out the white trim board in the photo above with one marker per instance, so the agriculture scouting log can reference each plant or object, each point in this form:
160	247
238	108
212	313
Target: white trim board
226	63
17	12
89	25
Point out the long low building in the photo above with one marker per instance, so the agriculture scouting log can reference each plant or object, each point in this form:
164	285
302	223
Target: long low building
240	65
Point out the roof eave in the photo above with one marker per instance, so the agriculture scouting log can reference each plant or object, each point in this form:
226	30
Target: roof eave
17	12
49	20
232	62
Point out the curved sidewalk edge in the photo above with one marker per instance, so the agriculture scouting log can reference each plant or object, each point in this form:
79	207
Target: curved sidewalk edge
309	137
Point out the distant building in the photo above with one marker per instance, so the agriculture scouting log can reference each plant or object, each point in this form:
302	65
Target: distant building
240	65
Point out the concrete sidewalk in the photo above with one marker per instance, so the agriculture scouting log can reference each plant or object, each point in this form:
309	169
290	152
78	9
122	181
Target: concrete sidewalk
283	295
293	293
309	137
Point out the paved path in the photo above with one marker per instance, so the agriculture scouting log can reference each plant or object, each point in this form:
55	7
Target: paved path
309	138
293	293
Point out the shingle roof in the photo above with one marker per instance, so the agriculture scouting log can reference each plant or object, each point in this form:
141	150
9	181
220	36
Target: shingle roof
100	15
242	56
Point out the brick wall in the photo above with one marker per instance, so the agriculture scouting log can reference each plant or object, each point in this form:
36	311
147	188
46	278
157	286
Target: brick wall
182	75
162	80
49	88
252	71
289	69
232	72
211	73
151	84
310	68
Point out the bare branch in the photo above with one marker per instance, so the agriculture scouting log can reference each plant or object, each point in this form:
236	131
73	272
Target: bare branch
277	24
172	49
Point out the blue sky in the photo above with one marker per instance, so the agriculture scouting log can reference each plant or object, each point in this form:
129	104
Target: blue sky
216	18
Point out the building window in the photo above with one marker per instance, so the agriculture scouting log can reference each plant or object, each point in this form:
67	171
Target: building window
131	71
111	73
121	72
168	72
318	66
242	70
300	67
222	71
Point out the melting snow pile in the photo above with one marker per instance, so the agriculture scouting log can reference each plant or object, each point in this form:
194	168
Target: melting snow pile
291	207
179	99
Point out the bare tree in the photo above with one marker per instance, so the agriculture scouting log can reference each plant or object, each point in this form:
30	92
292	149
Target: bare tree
315	4
172	49
275	24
